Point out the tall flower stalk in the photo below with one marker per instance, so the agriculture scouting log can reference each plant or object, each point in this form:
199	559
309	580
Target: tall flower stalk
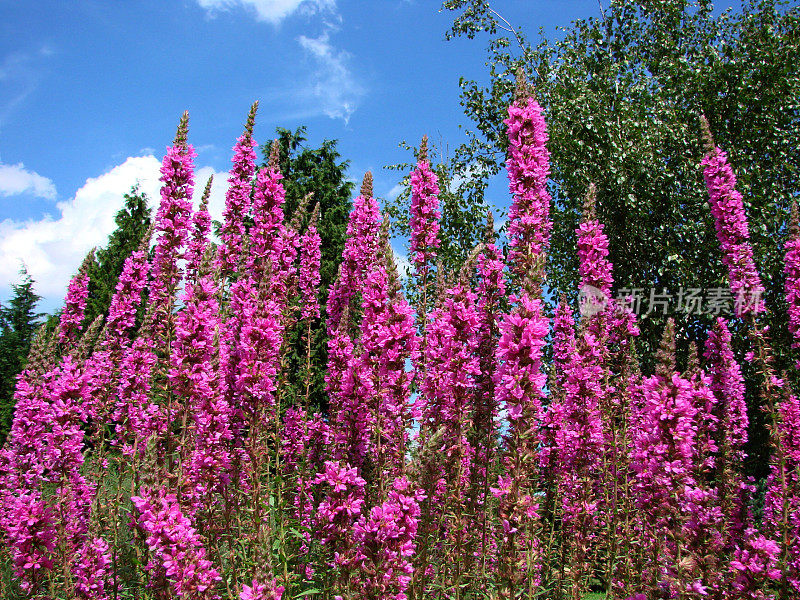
519	379
528	166
424	225
732	231
237	198
70	323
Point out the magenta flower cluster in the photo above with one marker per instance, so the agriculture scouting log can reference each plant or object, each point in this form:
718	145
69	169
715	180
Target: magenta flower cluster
732	232
528	166
425	214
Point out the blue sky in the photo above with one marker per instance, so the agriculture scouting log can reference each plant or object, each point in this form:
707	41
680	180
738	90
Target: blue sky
91	92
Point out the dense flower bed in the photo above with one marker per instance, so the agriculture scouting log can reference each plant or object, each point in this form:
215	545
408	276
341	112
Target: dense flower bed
458	457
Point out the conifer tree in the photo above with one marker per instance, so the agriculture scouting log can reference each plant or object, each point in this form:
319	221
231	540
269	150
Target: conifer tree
18	323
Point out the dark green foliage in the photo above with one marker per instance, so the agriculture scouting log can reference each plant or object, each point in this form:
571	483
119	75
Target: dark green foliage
18	323
132	220
321	172
622	96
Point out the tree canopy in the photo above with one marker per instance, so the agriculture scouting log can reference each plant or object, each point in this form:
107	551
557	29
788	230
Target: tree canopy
18	323
622	95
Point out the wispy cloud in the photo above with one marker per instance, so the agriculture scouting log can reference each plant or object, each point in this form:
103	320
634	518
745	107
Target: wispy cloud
396	190
402	262
16	179
330	88
332	84
272	11
20	73
53	247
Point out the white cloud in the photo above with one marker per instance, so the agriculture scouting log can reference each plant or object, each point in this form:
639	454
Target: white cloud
16	179
53	248
272	11
216	202
402	262
332	86
395	191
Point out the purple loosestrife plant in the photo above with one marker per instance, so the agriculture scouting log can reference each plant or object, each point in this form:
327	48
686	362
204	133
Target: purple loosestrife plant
27	521
755	567
128	294
283	280
782	500
792	271
306	439
342	504
173	218
93	569
490	292
103	366
198	240
519	380
389	339
250	355
359	254
594	267
385	542
450	384
309	278
579	443
424	225
55	497
75	304
489	295
257	348
237	198
448	389
727	384
268	203
731	225
29	526
670	453
206	459
139	419
348	380
425	213
176	549
519	385
528	166
703	536
352	418
308	284
260	591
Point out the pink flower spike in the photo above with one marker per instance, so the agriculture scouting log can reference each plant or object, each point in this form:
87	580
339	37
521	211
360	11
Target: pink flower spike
528	167
237	198
425	214
75	303
732	231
